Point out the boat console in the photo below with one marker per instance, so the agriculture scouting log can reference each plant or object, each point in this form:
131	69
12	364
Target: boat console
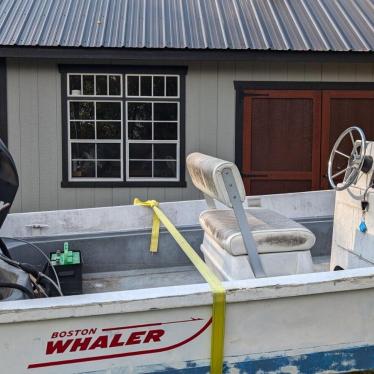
353	234
245	243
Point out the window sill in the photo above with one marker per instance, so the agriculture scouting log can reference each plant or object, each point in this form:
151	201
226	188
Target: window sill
67	184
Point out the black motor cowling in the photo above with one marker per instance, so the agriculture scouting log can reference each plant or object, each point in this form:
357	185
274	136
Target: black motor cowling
9	181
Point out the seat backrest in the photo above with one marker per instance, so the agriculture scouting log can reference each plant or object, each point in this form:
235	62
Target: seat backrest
206	174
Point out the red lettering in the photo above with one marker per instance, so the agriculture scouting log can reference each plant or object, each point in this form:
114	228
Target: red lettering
154	335
100	342
92	331
54	335
70	333
58	346
116	341
135	337
82	344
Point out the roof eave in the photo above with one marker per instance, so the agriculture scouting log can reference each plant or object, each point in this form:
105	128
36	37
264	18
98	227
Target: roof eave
153	55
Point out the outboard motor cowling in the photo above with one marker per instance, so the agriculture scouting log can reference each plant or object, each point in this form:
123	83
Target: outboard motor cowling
9	181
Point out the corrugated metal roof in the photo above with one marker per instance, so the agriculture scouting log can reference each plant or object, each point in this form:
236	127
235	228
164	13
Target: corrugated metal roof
298	25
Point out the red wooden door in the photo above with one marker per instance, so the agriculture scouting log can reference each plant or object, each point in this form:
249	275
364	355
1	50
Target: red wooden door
340	110
281	141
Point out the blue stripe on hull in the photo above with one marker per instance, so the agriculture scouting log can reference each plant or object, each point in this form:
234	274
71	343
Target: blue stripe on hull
337	361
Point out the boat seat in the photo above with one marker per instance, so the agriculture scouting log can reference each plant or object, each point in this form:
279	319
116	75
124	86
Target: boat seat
245	243
272	232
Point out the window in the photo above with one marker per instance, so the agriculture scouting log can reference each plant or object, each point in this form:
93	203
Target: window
123	126
152	127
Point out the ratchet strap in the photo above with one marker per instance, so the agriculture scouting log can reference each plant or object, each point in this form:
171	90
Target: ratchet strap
218	291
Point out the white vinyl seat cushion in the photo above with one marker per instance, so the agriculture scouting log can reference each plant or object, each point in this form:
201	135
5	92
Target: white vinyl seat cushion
272	232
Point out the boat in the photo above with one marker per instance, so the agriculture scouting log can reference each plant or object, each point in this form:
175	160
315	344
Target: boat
294	271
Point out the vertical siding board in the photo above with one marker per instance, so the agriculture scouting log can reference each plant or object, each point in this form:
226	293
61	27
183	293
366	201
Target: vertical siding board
208	108
156	194
261	71
278	72
103	196
121	196
173	194
85	198
48	129
14	129
29	136
193	122
243	71
313	72
364	72
141	193
330	72
226	112
295	71
347	72
67	197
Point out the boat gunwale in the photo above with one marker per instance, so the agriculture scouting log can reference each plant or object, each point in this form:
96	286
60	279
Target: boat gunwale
174	297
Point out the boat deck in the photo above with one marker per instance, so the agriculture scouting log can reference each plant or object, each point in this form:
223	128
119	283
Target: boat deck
140	278
157	277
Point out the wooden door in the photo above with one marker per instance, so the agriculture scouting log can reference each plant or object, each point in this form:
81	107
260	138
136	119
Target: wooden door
340	110
281	141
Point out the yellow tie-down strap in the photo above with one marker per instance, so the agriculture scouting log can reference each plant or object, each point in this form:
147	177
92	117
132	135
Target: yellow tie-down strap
219	293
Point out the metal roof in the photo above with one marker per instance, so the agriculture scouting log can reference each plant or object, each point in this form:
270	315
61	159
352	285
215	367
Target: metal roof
279	25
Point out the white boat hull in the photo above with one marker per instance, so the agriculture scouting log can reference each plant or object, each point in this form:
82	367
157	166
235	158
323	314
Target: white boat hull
296	324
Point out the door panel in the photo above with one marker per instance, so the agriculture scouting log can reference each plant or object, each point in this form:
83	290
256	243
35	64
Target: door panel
342	109
281	141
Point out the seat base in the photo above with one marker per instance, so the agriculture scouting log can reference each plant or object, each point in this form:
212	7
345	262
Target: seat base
229	267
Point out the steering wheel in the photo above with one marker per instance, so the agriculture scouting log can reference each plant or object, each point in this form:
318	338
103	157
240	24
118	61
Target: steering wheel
354	161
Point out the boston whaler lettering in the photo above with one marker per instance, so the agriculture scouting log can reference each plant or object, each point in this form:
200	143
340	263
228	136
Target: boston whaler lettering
278	283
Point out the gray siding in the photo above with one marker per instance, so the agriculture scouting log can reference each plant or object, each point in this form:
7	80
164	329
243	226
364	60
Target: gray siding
34	122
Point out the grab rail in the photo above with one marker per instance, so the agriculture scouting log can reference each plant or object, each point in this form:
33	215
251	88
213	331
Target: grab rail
218	291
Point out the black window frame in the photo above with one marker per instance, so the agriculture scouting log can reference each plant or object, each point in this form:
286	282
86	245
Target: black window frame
181	71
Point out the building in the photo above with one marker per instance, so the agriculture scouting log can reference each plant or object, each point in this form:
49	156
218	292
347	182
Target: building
101	100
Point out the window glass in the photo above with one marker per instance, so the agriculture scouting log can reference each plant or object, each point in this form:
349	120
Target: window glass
171	86
165	151
140	151
88	85
140	169
158	86
152	127
164	169
83	150
108	150
114	85
94	84
140	130
132	85
146	86
75	85
139	111
98	152
101	85
166	130
81	110
82	130
108	169
83	169
108	110
166	111
108	130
